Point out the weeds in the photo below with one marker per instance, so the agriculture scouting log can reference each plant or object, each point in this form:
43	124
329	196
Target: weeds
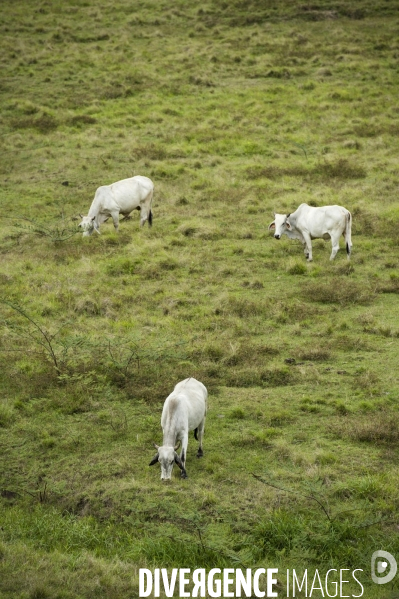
329	537
125	356
56	232
49	344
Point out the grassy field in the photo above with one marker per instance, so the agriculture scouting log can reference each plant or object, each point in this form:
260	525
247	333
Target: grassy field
234	109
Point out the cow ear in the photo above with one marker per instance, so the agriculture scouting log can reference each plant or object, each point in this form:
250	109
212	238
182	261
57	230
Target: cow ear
272	226
287	224
96	228
178	462
154	460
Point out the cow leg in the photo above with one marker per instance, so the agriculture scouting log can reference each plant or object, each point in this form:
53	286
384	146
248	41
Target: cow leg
305	250
201	428
335	246
143	215
308	245
115	218
183	454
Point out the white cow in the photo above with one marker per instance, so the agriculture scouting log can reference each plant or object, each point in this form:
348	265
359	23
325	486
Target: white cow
119	198
307	223
184	410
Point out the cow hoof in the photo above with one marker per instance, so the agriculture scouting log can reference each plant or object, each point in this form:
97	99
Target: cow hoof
183	475
200	454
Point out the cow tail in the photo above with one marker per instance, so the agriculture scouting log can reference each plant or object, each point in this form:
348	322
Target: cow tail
196	433
348	234
150	211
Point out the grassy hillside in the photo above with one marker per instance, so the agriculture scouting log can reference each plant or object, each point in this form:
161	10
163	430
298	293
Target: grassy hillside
234	109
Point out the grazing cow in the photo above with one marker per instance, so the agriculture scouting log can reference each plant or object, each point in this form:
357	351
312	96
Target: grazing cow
119	198
307	223
184	410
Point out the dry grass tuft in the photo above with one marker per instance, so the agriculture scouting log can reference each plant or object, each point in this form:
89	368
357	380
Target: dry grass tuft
382	429
242	307
339	169
315	354
44	123
346	293
150	150
82	119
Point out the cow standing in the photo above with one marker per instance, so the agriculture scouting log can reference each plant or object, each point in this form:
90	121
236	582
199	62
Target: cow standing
119	198
307	223
184	410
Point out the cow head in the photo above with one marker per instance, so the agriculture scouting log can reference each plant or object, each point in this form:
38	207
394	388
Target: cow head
280	225
166	455
88	224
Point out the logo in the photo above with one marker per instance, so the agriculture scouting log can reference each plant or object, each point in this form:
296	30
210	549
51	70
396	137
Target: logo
379	565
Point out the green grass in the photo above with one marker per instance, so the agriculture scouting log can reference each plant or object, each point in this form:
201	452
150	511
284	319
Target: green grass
235	110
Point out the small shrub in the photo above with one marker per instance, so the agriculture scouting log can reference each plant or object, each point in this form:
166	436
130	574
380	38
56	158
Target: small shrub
39	593
213	352
82	119
6	415
168	264
241	307
366	379
277	532
315	354
326	458
352	144
277	377
345	293
267	350
391	286
188	230
297	268
182	201
237	414
382	429
45	123
244	377
280	418
341	169
87	306
120	266
151	151
310	408
341	408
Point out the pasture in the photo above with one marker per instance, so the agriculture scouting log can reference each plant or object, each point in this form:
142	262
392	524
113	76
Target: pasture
234	110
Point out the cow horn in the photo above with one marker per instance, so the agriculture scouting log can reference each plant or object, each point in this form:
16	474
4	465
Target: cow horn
81	215
156	446
154	460
179	462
